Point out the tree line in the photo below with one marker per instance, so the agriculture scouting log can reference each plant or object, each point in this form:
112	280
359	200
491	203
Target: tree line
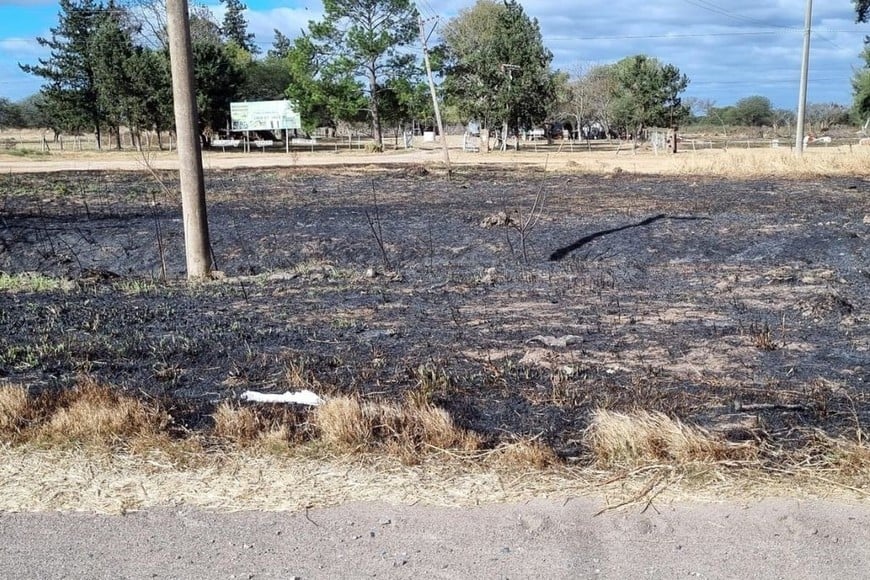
109	68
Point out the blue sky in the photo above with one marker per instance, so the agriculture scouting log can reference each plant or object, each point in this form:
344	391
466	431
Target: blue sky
729	49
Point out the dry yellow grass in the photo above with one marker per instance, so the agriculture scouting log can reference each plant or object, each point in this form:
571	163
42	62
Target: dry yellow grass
644	437
735	162
409	451
15	407
524	454
348	424
96	414
273	429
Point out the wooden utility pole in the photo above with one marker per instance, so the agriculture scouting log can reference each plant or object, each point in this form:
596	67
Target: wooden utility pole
196	240
444	146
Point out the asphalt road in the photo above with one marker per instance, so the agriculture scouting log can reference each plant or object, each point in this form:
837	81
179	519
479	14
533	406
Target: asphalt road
543	539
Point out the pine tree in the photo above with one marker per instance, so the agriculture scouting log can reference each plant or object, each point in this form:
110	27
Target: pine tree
71	100
235	27
365	38
280	46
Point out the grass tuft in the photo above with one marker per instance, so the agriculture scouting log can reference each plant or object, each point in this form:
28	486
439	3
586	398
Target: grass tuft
96	414
646	437
270	427
407	430
15	408
525	454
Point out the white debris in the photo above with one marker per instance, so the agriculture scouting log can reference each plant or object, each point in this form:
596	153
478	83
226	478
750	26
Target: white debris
554	342
304	397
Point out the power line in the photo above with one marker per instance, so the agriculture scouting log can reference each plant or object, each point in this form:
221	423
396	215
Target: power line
704	5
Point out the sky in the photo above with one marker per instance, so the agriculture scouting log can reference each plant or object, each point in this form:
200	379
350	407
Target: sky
729	49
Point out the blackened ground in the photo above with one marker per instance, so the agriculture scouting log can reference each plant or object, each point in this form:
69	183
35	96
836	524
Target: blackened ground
722	302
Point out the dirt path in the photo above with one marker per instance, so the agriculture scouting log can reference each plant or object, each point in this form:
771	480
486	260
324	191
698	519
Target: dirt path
542	539
828	161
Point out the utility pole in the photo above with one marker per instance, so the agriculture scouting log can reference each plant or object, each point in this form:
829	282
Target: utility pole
805	68
196	240
444	146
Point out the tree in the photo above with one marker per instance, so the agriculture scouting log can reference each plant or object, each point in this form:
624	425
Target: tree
862	10
587	98
366	38
647	94
322	91
33	112
111	53
218	79
10	114
281	45
498	69
265	80
235	26
70	97
754	111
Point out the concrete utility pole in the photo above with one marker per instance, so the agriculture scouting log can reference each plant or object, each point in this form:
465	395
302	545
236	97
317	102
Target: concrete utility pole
196	240
444	145
805	68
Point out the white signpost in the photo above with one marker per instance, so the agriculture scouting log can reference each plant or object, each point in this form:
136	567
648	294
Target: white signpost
265	116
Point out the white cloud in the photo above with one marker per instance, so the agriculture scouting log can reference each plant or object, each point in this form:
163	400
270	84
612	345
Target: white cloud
21	48
728	50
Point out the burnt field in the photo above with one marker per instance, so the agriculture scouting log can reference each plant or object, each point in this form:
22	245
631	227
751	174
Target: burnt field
519	301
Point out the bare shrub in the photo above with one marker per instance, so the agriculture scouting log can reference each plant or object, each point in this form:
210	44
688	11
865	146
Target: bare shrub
643	437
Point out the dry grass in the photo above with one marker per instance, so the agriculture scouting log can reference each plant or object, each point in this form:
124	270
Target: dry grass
644	437
523	455
96	414
737	161
267	427
284	457
348	424
15	408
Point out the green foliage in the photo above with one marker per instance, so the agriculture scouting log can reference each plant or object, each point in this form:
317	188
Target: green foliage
322	92
280	46
861	88
754	111
10	114
218	79
403	100
862	10
70	96
235	26
365	39
265	80
647	94
33	112
497	67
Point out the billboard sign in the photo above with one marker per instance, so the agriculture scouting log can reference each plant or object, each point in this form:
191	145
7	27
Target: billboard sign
264	116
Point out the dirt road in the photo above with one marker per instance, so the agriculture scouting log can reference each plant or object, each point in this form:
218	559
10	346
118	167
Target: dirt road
542	539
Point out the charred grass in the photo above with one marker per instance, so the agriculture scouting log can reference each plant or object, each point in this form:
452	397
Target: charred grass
720	347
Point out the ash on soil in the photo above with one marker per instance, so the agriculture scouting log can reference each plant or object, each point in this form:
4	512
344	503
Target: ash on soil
742	303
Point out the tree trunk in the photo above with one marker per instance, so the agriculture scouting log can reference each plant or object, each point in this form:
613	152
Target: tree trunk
376	114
